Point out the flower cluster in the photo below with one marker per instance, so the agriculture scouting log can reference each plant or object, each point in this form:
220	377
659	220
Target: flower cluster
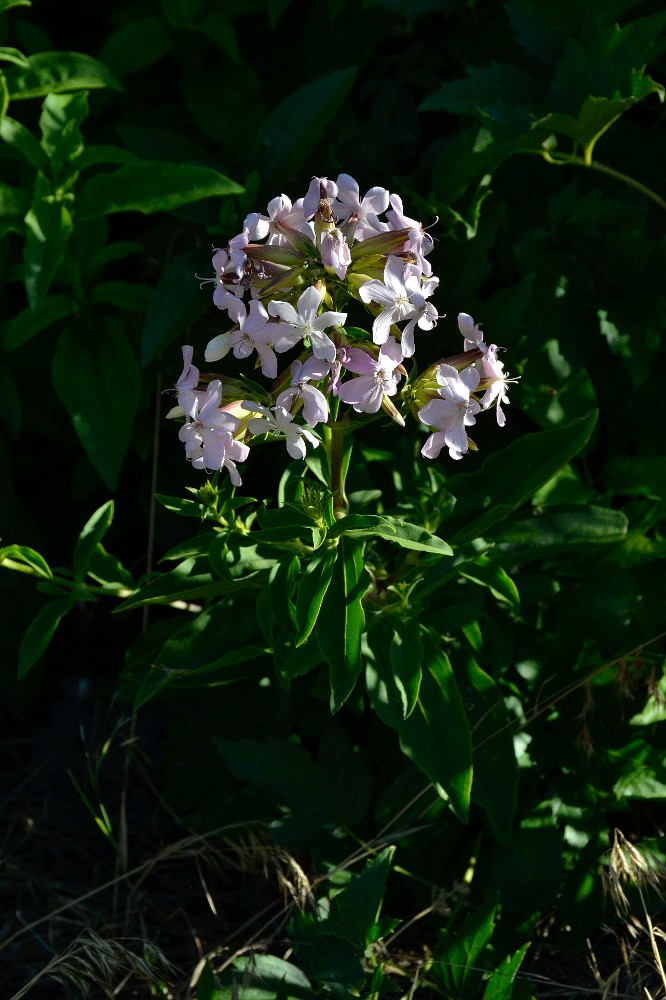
286	282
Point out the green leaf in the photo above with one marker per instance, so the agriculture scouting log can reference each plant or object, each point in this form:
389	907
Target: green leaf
559	529
184	583
40	632
27	556
57	73
107	569
129	296
17	135
176	303
98	380
29	322
294	127
458	965
311	592
8	4
49	226
152	186
263	977
500	985
407	656
408	536
643	475
486	572
495	786
436	736
93	532
511	476
9	54
355	910
14	201
136	44
181	505
341	620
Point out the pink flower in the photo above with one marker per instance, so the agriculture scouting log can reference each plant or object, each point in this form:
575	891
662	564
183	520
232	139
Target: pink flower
335	254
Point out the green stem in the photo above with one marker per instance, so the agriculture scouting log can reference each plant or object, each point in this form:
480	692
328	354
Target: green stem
337	463
579	161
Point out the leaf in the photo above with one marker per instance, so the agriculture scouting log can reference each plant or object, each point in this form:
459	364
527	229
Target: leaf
152	186
293	128
136	44
49	226
8	4
511	476
408	536
17	135
557	530
107	569
355	910
176	303
458	956
57	73
40	632
341	620
181	505
264	977
27	556
181	584
495	786
436	736
643	475
97	378
29	322
129	296
500	984
486	572
93	532
12	55
312	589
407	656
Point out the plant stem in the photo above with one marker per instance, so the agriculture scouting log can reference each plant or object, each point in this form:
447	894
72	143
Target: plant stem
338	468
579	161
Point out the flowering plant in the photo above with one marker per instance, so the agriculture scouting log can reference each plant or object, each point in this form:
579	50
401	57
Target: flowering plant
321	255
328	591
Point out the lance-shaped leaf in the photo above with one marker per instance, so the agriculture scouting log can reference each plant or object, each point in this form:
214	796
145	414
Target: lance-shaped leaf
177	302
93	532
511	476
48	225
40	632
408	536
293	128
341	620
35	563
97	378
57	73
311	592
152	186
436	736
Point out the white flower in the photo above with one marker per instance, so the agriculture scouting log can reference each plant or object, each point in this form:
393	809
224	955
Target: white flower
493	370
451	413
335	252
279	421
280	209
376	377
360	217
306	322
472	333
419	242
402	296
208	439
315	406
254	333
